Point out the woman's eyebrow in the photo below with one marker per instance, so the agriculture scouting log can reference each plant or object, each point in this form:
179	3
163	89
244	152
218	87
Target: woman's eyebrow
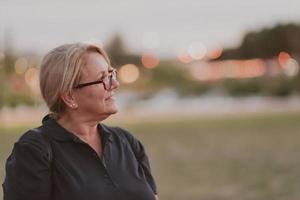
102	73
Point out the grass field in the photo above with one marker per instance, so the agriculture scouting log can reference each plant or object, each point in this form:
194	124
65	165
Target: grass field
235	157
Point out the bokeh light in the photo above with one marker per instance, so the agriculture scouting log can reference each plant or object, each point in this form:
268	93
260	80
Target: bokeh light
292	67
17	83
197	50
283	59
207	71
32	79
184	57
216	53
128	73
149	60
21	65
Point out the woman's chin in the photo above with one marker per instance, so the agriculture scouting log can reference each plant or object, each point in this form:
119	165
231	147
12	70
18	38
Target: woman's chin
104	115
112	109
111	105
109	108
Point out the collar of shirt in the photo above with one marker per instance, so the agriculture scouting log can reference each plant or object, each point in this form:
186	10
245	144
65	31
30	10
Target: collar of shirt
59	133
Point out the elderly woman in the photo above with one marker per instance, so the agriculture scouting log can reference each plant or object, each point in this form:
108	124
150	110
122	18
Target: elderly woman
72	155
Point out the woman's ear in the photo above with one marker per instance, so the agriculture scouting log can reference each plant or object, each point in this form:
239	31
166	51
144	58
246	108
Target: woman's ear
69	99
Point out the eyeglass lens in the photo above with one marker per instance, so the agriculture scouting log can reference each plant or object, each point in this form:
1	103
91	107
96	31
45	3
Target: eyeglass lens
108	81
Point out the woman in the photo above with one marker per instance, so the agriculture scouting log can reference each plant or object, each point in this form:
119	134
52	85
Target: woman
71	155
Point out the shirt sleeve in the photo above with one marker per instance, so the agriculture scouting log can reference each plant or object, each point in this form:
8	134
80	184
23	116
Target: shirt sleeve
140	153
28	175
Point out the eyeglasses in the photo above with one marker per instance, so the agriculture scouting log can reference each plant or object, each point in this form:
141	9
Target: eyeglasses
107	81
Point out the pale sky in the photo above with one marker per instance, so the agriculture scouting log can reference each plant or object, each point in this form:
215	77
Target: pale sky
39	25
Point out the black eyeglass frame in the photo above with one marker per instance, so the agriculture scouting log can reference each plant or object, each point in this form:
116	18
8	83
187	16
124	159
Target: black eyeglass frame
107	85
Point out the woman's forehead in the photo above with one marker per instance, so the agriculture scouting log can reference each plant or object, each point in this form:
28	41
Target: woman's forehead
95	58
95	64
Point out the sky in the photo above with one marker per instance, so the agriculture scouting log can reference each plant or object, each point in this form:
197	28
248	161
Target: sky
160	26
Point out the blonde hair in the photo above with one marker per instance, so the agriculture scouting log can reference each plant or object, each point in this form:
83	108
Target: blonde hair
61	70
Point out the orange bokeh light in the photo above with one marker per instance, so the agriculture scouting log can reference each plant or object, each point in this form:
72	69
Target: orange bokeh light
215	54
184	57
129	73
17	83
283	59
149	60
229	69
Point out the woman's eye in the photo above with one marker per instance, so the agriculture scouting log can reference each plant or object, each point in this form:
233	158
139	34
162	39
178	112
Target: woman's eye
105	77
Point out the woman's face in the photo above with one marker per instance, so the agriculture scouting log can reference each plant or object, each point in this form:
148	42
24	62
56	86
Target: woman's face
93	100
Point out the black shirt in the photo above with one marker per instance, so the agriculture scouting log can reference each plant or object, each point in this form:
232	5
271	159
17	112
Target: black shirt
49	162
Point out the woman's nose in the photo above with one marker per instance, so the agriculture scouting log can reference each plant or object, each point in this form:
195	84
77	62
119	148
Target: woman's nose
115	84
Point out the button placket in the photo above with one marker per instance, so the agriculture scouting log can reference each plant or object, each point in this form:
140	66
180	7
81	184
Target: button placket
102	161
106	174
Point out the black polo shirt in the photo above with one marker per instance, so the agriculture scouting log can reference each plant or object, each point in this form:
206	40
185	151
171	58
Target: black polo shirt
61	166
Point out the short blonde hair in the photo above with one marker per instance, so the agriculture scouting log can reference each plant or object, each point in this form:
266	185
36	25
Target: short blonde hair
61	70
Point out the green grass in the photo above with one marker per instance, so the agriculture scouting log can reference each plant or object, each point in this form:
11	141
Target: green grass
234	157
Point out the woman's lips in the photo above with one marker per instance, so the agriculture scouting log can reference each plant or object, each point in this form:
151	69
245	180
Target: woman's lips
110	98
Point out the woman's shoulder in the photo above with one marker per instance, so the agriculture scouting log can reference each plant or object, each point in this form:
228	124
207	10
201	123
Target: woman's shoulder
30	146
34	136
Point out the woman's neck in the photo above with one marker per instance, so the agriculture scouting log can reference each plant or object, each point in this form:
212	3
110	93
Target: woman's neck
84	129
78	125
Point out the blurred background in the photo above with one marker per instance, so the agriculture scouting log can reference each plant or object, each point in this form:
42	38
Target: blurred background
211	88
